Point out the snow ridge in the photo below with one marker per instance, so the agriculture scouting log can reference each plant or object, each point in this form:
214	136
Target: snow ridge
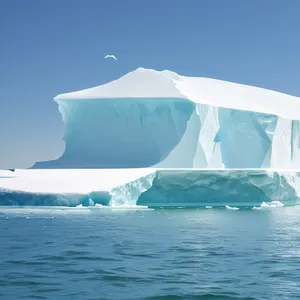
149	83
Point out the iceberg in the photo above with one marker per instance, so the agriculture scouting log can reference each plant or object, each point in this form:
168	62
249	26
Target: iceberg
159	139
153	188
160	119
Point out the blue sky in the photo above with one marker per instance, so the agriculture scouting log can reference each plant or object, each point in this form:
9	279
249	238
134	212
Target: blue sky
52	47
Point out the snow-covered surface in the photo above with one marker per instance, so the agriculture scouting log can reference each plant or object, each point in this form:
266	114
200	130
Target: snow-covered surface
68	181
6	174
148	83
141	83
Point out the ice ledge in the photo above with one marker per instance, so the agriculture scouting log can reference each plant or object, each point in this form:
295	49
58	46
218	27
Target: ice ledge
79	181
151	187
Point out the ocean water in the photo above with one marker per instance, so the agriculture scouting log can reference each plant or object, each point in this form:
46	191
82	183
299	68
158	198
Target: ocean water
102	253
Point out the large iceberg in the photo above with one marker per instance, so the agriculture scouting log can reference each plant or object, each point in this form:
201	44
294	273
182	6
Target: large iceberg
150	187
161	119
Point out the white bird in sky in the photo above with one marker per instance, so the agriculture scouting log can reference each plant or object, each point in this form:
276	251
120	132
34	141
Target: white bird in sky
110	56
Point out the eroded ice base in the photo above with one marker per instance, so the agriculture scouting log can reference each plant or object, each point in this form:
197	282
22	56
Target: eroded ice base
221	188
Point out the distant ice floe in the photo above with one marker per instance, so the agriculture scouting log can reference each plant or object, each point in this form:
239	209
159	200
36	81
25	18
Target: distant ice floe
269	205
231	208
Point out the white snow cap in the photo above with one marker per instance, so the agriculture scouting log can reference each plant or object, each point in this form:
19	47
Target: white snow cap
148	83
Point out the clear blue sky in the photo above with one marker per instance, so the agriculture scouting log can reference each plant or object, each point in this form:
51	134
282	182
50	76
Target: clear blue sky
57	46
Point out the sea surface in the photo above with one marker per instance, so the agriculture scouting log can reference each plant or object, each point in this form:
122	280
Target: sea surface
103	253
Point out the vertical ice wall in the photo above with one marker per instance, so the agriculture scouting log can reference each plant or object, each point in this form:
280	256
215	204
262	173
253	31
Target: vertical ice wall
286	145
227	138
121	133
173	133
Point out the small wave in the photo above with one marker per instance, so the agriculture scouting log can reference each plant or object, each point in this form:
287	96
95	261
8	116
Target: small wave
120	207
127	206
231	208
200	297
208	206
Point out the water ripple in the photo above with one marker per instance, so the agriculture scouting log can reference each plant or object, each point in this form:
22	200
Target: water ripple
166	254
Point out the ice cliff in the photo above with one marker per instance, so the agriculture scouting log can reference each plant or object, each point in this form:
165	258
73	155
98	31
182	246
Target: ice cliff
149	118
150	187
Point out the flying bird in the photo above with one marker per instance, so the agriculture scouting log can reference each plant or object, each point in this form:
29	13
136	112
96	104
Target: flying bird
110	56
